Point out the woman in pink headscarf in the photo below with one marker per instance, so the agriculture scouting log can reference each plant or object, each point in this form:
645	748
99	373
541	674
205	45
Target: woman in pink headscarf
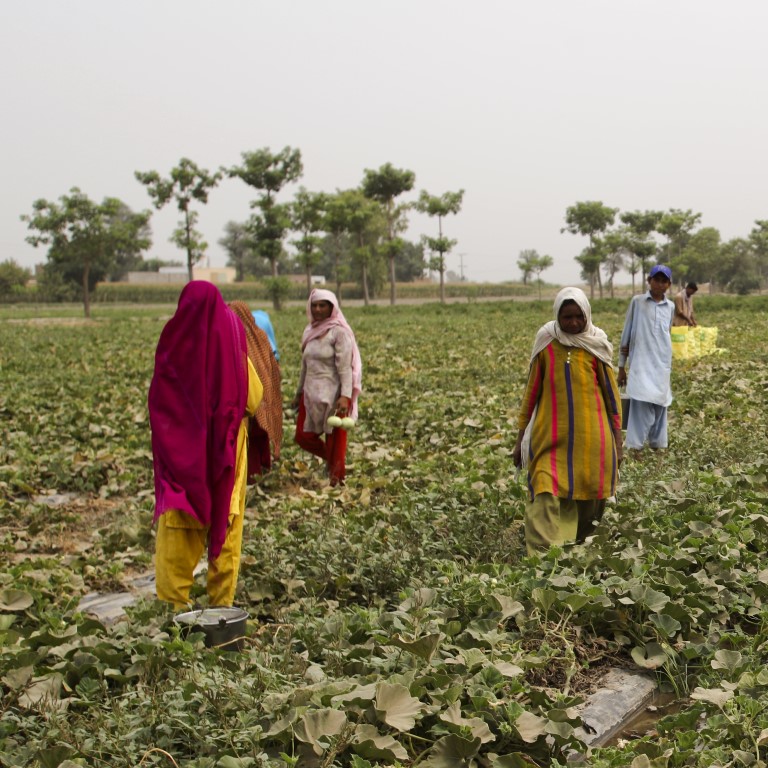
330	382
202	390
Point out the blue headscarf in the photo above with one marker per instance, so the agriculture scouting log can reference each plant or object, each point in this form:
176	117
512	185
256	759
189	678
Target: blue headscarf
261	318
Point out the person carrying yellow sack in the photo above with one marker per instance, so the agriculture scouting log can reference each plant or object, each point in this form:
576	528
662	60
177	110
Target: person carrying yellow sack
203	389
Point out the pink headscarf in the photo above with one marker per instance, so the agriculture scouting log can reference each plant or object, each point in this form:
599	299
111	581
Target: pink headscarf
318	329
196	403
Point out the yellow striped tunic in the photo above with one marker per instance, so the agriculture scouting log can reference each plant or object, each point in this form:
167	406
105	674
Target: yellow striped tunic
572	452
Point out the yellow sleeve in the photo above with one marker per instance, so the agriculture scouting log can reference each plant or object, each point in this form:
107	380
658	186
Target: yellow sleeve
532	393
255	390
255	393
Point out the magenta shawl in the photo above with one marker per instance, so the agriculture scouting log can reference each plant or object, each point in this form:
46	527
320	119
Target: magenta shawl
197	400
316	330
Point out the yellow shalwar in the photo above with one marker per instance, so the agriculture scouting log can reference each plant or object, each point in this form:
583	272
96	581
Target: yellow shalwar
181	540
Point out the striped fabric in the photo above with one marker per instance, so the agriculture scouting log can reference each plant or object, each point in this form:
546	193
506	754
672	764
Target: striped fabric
572	454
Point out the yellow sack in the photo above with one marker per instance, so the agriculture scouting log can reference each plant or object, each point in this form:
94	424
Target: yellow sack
707	339
694	350
680	335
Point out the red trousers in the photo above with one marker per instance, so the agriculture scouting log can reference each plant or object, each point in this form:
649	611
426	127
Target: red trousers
333	449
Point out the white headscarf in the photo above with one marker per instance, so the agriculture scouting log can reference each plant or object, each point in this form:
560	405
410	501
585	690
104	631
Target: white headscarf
592	338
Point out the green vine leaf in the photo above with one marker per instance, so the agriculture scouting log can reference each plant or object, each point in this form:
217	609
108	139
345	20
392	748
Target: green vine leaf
396	707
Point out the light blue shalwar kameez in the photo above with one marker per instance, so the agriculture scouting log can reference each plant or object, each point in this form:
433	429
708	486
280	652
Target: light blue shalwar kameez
646	333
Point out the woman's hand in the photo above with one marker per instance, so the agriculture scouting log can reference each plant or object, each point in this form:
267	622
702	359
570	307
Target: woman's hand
295	402
517	451
621	379
343	404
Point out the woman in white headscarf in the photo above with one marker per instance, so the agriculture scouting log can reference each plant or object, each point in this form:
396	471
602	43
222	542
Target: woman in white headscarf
569	426
330	382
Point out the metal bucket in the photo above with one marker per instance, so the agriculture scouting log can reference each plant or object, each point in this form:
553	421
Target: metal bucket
223	627
625	401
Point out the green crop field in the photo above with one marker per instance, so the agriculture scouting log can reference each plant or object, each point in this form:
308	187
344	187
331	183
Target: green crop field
397	620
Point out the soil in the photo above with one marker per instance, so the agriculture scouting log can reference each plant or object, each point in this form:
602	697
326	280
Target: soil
68	526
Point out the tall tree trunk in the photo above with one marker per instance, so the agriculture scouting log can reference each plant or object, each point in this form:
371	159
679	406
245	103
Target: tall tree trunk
309	280
366	297
273	264
442	279
86	294
336	274
392	291
187	228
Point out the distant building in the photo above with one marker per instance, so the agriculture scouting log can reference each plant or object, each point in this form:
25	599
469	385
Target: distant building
301	279
217	275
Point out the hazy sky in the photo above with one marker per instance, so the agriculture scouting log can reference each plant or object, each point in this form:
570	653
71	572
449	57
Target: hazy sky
527	106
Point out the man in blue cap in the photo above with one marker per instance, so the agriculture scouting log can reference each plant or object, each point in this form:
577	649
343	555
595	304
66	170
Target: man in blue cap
647	345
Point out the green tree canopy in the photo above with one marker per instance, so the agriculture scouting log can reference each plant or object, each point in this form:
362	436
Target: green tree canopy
130	234
384	186
701	257
308	214
411	264
13	277
340	243
641	223
526	262
531	263
737	266
238	245
539	265
758	239
440	206
268	226
590	218
268	172
365	222
187	183
614	247
641	248
676	226
86	240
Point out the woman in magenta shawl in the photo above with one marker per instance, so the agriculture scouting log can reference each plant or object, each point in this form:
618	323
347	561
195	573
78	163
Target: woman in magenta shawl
202	389
329	384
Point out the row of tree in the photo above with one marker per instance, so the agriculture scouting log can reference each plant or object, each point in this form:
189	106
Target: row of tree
641	238
355	234
352	234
